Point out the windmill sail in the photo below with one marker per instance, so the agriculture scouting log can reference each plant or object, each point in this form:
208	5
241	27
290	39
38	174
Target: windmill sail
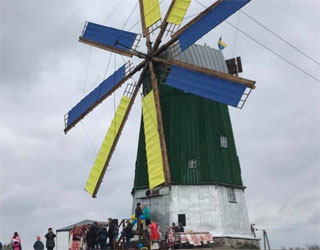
178	11
210	87
154	157
151	12
206	21
96	96
101	161
108	38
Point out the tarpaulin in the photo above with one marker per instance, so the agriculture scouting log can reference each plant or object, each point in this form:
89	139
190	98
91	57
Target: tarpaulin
152	139
203	85
94	96
178	11
106	146
151	9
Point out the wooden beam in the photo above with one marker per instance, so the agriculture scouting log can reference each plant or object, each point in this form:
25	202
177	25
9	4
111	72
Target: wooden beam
115	87
143	21
221	75
129	53
163	145
163	27
188	25
133	97
154	84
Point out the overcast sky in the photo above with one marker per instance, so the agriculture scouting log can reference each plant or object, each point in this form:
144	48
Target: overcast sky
45	71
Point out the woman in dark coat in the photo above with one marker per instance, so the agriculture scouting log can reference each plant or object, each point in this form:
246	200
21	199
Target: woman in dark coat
50	244
92	237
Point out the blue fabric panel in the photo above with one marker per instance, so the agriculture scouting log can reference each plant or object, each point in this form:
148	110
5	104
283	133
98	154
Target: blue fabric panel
209	21
95	96
206	86
108	36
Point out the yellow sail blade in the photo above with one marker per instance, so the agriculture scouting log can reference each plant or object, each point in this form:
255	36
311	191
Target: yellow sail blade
178	11
151	10
153	148
106	146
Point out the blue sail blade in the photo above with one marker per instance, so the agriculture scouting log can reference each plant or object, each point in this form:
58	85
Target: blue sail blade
206	86
108	36
209	21
94	97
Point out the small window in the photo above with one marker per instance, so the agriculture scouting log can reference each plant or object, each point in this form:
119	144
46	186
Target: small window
231	195
223	141
192	163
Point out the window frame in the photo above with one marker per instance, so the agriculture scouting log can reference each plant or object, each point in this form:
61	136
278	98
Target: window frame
192	163
231	195
223	141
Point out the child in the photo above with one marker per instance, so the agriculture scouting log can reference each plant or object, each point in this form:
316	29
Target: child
16	242
38	245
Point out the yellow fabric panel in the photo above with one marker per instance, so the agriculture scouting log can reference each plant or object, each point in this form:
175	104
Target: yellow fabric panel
178	11
108	141
153	149
151	9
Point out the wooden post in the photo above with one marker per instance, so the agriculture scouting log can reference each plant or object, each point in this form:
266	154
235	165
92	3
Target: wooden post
133	97
154	83
232	78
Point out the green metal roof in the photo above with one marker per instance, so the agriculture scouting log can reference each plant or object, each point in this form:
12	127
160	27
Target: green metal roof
81	223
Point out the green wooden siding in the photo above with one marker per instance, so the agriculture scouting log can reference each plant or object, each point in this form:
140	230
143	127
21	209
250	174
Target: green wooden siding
193	126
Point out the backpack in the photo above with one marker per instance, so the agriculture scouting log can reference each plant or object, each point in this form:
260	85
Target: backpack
103	233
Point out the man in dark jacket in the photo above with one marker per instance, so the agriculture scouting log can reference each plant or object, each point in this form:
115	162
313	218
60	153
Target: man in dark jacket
38	245
111	232
50	244
0	246
102	237
138	211
128	233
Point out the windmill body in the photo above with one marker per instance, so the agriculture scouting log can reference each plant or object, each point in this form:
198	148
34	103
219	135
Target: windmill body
187	168
207	192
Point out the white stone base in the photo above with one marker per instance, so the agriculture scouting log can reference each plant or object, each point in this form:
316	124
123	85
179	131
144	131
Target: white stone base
206	207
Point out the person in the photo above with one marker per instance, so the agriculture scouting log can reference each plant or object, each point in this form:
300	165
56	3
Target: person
146	214
128	233
92	236
0	245
16	241
111	232
38	245
170	237
174	227
50	244
155	236
102	238
138	211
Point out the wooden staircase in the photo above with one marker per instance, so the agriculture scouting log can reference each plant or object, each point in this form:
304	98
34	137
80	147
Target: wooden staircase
141	232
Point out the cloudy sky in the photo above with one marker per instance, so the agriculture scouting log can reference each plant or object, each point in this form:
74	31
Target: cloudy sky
45	71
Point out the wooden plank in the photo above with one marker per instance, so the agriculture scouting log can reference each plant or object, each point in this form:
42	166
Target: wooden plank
163	27
143	73
164	153
155	88
175	36
222	75
129	53
118	85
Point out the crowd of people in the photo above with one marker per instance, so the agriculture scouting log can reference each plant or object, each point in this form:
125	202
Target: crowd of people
103	235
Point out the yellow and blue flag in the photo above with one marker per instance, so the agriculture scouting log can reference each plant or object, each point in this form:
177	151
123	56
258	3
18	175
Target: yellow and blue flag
221	44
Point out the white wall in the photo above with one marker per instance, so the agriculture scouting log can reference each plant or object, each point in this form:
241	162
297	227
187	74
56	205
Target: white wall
206	207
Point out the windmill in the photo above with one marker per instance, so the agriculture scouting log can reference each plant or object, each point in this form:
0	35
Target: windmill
162	66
